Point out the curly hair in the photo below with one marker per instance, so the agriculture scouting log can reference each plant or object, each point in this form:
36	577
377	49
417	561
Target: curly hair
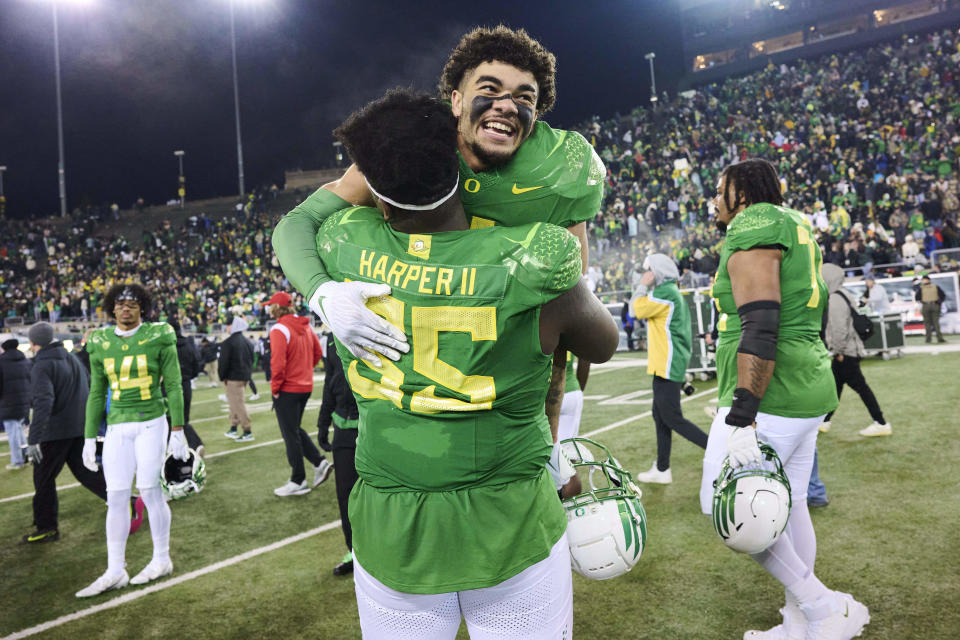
405	145
756	178
500	43
134	290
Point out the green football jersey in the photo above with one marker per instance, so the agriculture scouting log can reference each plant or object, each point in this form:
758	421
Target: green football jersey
454	433
555	176
802	385
129	370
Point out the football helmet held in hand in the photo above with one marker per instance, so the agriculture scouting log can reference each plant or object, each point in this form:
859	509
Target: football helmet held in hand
751	504
180	478
606	523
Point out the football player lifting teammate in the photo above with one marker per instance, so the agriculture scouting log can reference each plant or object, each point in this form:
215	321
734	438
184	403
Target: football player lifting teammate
775	385
514	169
454	513
127	362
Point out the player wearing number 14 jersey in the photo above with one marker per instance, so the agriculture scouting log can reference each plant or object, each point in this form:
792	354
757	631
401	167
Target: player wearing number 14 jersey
454	513
128	363
775	382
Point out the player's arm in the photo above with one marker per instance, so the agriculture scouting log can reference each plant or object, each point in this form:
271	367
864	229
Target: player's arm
577	321
278	361
172	384
558	373
579	230
97	398
340	305
755	278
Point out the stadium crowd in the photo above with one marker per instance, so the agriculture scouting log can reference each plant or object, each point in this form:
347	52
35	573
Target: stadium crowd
208	269
866	143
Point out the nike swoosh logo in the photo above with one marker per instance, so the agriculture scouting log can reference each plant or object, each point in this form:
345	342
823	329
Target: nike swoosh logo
517	190
144	341
40	537
525	243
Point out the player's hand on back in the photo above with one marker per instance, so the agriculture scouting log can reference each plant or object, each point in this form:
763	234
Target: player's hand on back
342	306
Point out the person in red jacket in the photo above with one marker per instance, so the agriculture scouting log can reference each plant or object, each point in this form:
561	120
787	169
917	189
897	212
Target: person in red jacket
295	351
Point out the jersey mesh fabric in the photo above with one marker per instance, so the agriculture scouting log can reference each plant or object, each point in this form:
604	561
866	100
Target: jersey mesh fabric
130	371
453	434
555	176
802	385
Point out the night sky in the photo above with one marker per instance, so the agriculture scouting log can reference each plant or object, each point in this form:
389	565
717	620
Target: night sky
141	78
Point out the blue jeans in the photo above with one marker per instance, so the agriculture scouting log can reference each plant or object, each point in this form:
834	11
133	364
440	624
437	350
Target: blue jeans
816	491
14	431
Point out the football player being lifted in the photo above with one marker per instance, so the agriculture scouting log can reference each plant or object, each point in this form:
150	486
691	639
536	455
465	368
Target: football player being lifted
454	513
128	362
514	169
775	385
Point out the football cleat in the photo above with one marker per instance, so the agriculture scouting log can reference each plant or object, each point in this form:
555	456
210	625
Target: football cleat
793	627
345	567
606	523
292	489
152	571
751	504
180	478
106	582
321	472
845	623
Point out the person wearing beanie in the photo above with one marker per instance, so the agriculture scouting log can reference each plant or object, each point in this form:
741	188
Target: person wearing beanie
656	298
128	362
59	385
14	398
294	353
235	368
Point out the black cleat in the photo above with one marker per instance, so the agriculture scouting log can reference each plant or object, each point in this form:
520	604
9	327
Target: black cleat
52	535
344	568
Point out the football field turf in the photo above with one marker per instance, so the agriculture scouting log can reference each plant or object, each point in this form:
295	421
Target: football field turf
251	565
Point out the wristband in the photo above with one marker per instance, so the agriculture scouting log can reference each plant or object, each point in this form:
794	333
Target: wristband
743	411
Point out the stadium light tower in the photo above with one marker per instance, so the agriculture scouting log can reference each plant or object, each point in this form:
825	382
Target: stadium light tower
3	200
236	98
181	185
61	174
653	78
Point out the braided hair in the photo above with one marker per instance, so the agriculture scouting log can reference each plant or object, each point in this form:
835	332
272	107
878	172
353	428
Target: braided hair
755	179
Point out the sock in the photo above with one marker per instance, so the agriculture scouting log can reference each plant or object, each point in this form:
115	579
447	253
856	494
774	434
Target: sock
159	515
118	528
816	601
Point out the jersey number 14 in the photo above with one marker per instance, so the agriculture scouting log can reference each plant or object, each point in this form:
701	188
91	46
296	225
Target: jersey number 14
124	381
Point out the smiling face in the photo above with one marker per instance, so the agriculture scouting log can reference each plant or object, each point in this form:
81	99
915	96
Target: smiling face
496	108
127	313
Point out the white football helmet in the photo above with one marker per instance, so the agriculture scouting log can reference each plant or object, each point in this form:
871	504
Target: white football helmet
751	505
606	523
180	478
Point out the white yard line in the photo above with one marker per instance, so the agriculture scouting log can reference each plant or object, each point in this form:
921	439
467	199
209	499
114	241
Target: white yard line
166	584
129	597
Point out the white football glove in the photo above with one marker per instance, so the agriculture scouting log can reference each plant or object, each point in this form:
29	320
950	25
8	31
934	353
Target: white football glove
342	307
742	446
559	466
178	445
89	454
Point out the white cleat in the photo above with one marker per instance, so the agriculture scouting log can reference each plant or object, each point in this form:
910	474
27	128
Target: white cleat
655	476
254	396
843	624
321	472
824	426
151	572
292	489
877	429
793	627
106	582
